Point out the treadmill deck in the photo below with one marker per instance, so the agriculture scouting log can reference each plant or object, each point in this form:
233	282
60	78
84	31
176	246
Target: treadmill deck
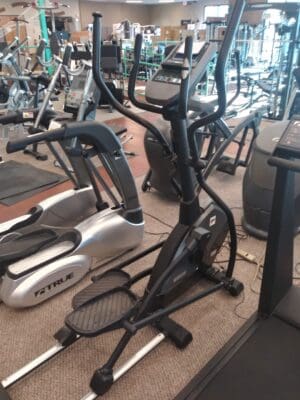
266	367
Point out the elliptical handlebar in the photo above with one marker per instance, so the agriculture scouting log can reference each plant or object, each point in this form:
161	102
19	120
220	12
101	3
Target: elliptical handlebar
102	86
13	43
133	76
41	48
67	54
185	75
231	29
238	78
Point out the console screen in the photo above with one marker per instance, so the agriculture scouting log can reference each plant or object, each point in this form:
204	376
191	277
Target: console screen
197	47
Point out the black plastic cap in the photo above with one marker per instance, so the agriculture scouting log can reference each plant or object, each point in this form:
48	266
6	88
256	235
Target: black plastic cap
3	394
97	15
102	381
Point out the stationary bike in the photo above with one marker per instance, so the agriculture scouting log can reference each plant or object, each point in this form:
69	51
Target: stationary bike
187	255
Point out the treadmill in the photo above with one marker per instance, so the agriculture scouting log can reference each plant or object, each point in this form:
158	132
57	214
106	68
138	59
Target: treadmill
262	360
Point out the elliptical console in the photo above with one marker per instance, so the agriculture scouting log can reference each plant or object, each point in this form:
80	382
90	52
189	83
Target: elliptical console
164	86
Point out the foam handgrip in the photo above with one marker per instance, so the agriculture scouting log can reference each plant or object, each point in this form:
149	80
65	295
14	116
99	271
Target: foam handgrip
67	54
283	163
41	48
21	144
138	47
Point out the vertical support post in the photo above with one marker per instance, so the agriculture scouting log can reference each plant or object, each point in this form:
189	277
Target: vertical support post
44	29
279	259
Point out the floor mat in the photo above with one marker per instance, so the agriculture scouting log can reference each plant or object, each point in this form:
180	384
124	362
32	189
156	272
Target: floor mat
19	181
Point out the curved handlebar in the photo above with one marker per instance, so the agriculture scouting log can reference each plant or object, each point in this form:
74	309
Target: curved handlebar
185	75
283	163
40	50
133	77
238	79
67	54
102	86
21	144
231	29
5	51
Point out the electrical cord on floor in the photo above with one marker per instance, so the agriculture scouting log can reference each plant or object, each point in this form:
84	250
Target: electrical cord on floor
157	233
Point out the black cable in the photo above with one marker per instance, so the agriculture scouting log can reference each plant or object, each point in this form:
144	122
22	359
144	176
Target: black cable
159	220
157	233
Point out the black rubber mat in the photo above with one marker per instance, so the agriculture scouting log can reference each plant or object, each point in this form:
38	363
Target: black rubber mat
102	314
108	281
19	181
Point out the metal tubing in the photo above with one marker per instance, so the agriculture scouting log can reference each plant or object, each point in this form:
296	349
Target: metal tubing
131	362
37	362
48	96
140	255
138	356
176	306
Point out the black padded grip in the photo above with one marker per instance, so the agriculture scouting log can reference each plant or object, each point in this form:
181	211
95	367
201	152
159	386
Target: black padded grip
41	48
138	47
67	54
21	144
184	85
97	14
286	164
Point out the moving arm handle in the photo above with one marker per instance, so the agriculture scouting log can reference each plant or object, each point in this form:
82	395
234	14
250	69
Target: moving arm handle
40	50
102	86
133	76
185	77
238	77
231	29
5	52
67	54
283	163
21	144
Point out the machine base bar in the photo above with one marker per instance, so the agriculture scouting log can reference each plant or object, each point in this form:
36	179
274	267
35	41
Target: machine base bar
28	368
131	362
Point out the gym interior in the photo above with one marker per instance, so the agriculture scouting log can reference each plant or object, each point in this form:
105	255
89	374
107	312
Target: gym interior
149	181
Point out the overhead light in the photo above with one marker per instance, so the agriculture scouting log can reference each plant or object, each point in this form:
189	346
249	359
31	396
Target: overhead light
166	1
134	1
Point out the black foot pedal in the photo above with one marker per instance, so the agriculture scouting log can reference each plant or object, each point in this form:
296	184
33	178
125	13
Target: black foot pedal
106	282
102	314
227	165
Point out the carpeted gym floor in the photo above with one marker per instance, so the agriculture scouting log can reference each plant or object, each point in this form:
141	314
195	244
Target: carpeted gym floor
162	374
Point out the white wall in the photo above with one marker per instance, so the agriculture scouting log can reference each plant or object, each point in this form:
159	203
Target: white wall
32	16
114	12
172	14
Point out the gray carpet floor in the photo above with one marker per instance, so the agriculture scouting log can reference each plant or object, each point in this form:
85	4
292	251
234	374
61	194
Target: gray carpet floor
162	374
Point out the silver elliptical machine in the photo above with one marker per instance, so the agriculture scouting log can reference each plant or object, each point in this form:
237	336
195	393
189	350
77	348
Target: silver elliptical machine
61	239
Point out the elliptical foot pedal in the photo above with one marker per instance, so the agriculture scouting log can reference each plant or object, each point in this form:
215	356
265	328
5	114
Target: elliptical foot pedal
104	313
112	279
227	165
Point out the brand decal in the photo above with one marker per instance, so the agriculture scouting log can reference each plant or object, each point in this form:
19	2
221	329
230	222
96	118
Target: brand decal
53	285
212	221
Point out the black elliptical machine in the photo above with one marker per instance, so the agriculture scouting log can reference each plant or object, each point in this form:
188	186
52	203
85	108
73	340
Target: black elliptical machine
212	139
186	257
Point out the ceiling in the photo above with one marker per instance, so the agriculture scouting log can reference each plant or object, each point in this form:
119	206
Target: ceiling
146	1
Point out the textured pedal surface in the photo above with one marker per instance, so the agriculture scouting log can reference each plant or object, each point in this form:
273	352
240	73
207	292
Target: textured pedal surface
108	281
227	165
102	314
